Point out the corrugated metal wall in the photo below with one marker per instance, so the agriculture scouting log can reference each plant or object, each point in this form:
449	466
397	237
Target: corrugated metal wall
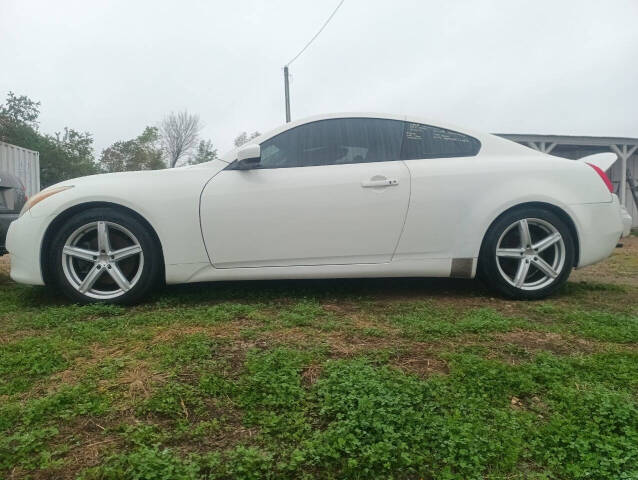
614	175
23	163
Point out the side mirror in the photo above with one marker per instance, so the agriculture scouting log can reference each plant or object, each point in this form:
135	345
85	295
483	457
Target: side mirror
248	157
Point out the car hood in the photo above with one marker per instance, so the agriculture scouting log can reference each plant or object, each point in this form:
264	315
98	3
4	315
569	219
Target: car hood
144	177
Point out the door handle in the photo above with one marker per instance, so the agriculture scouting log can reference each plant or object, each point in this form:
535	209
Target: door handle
379	182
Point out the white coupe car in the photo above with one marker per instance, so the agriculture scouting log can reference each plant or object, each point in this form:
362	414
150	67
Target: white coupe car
348	195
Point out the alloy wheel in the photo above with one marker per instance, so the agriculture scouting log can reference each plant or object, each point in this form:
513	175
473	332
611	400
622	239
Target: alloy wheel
530	254
102	260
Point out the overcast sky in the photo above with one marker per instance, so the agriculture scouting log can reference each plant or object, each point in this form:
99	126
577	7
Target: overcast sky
518	66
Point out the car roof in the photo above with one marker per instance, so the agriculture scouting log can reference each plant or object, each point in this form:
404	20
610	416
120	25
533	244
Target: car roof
384	116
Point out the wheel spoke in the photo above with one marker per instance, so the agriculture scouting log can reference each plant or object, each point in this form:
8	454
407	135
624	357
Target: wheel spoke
90	278
526	238
510	252
126	252
117	275
546	242
521	273
80	253
103	243
544	267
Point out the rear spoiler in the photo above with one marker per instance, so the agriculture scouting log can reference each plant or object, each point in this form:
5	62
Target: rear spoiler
601	160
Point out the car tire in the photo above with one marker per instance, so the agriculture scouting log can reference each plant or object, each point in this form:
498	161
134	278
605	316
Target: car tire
104	255
527	254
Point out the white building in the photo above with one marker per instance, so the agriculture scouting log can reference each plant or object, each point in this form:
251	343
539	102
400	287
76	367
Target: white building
23	163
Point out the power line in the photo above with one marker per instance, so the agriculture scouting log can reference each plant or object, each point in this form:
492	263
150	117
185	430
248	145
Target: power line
316	34
286	82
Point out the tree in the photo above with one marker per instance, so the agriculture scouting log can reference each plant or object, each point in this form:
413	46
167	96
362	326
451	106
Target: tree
20	110
205	153
243	137
179	135
67	155
141	153
63	156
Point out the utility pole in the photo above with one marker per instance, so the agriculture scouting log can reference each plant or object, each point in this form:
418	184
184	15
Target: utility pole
286	83
287	93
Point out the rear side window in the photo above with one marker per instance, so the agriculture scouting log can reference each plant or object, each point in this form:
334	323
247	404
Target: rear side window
334	142
426	141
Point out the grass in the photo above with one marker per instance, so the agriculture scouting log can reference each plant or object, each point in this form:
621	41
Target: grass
357	379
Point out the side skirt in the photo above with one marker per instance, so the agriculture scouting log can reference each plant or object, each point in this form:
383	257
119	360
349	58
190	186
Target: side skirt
433	267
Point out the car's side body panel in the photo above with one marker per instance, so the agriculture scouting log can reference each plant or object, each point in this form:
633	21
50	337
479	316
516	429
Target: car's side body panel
321	215
476	190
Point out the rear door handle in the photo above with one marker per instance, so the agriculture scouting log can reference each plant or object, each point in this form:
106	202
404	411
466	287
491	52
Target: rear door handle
379	182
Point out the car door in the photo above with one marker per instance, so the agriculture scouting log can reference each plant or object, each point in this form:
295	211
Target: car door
325	193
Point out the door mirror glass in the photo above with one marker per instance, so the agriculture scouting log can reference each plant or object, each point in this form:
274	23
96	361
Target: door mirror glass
248	157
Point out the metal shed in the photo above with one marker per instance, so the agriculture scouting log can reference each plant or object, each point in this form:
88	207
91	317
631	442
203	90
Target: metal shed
23	163
573	147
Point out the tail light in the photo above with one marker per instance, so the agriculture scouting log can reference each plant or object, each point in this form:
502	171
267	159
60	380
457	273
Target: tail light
604	176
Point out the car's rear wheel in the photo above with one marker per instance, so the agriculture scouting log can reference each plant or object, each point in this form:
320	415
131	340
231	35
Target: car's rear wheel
104	255
527	253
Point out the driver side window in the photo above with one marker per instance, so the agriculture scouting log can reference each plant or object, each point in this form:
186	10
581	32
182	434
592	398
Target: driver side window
334	142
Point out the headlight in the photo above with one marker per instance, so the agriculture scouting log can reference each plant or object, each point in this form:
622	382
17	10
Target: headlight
38	197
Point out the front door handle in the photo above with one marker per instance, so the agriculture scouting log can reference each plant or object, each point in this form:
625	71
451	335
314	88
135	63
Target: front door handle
379	182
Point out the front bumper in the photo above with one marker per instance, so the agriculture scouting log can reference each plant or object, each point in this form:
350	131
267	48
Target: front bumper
24	240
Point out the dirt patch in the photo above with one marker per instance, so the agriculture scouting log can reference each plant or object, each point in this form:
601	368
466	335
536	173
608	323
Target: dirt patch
343	308
362	322
552	342
340	344
420	363
227	330
295	337
311	374
90	446
173	332
344	345
16	336
139	381
87	441
5	266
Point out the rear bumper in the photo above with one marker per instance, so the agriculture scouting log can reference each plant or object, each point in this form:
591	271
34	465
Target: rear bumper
600	226
24	239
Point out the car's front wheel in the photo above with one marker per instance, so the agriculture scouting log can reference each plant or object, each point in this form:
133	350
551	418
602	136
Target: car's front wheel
104	255
527	253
